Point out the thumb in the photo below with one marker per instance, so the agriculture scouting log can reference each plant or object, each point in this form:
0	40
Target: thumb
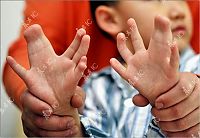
140	100
78	98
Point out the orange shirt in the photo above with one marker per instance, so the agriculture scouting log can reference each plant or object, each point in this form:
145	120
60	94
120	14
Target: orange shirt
60	20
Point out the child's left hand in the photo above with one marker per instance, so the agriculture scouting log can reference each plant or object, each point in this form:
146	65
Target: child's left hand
152	71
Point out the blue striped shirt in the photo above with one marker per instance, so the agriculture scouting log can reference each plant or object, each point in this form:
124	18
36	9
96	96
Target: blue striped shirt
109	111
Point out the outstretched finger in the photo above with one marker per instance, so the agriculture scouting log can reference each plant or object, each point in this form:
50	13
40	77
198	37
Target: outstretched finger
75	43
21	71
121	46
174	60
137	41
118	67
80	68
161	38
39	47
35	105
83	49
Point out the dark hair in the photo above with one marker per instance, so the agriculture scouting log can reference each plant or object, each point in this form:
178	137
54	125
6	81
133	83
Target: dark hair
96	3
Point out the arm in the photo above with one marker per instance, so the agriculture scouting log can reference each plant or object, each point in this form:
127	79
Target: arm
146	67
179	115
38	123
140	72
57	76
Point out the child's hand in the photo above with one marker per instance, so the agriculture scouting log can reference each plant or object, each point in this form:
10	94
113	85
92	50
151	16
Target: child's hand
152	71
53	78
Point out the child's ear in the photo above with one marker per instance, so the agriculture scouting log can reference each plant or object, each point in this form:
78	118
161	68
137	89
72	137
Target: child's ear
108	20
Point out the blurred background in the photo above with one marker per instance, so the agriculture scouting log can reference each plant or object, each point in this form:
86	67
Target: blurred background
11	20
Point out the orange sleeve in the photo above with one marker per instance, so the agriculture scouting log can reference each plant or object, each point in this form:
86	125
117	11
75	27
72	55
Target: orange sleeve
51	16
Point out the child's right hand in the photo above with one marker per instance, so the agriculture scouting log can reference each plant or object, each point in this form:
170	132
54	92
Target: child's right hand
53	78
152	71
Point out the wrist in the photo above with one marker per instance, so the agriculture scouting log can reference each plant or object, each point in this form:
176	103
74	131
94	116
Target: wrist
173	83
73	112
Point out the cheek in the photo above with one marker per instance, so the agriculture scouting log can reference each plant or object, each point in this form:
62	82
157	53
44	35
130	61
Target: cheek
146	30
188	23
190	27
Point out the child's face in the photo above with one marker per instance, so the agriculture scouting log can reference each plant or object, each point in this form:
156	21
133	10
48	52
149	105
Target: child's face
144	11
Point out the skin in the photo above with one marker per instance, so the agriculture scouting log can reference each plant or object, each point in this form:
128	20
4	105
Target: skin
56	75
144	13
35	124
114	23
148	62
112	19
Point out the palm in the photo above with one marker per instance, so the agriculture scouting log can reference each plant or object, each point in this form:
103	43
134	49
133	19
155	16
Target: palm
51	75
152	71
54	77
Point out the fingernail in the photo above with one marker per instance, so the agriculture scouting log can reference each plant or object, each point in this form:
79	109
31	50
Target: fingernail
159	105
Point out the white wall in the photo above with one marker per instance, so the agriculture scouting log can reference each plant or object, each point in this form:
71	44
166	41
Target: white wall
11	19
